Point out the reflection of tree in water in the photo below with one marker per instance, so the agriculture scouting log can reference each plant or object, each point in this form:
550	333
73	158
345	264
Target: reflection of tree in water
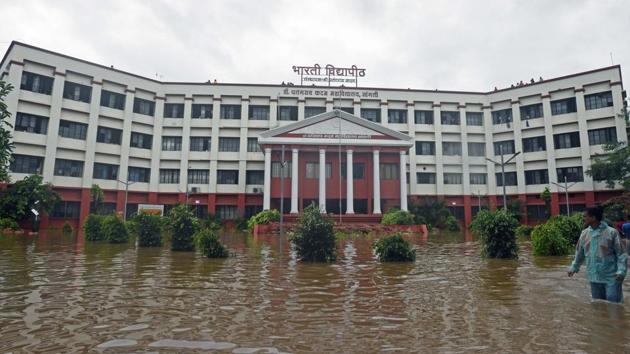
499	279
496	296
100	255
608	327
16	261
317	300
551	262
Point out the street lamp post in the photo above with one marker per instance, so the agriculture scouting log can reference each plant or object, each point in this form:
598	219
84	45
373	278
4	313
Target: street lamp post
282	163
566	192
503	163
127	184
478	195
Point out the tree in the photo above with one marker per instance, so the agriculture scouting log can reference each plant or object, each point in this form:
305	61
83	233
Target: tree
182	224
545	195
515	207
29	193
613	166
430	211
314	238
6	145
97	196
497	233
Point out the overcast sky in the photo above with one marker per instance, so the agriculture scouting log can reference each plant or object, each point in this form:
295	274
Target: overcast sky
449	45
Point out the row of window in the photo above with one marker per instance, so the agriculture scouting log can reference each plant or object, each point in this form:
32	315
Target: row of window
74	91
561	141
74	168
39	125
72	209
572	174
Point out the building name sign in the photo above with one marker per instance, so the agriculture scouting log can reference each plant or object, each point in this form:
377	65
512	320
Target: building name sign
329	74
330	93
336	136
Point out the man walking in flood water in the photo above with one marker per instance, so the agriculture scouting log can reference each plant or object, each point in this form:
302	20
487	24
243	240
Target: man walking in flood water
606	259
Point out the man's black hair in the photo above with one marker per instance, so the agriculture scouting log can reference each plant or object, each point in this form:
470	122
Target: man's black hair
596	211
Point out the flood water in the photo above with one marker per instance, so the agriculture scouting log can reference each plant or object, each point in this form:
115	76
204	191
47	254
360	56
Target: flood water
60	295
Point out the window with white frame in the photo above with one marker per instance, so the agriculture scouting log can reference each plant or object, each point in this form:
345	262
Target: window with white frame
171	143
169	175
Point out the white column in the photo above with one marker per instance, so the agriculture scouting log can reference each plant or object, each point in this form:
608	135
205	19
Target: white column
350	183
267	192
53	127
322	180
294	181
403	181
377	183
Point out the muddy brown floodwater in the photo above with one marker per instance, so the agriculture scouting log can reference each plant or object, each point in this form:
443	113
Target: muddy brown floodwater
60	295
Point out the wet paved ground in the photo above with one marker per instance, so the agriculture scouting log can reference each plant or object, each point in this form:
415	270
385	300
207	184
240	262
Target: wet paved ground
59	295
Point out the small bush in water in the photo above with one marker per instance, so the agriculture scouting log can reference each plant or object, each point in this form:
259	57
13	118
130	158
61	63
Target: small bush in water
114	229
570	226
547	240
148	230
8	223
262	218
394	249
92	228
209	244
451	223
212	222
397	217
182	225
523	231
313	237
66	229
496	231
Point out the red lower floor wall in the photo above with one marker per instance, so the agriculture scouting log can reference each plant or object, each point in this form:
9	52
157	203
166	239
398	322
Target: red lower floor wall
464	207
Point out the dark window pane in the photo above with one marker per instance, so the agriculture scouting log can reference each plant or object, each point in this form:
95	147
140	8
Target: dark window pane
142	106
36	83
31	123
173	110
563	106
27	164
112	100
77	92
72	130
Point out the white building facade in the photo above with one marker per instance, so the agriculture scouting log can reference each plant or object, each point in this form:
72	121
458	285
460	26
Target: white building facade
218	146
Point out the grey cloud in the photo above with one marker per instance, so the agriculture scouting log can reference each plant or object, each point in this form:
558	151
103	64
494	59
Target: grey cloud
458	45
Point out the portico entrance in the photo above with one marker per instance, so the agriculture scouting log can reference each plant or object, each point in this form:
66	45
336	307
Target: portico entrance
343	163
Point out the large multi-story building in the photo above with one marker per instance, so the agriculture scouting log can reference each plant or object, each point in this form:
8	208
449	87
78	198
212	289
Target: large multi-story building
219	146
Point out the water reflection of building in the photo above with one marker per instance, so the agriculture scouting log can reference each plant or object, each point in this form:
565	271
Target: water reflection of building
78	123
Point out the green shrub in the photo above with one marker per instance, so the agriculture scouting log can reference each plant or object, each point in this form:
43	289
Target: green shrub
570	226
114	229
241	223
451	223
92	228
148	229
523	231
432	211
8	223
213	223
420	220
264	217
66	229
208	242
496	231
397	217
394	249
547	240
182	225
313	237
